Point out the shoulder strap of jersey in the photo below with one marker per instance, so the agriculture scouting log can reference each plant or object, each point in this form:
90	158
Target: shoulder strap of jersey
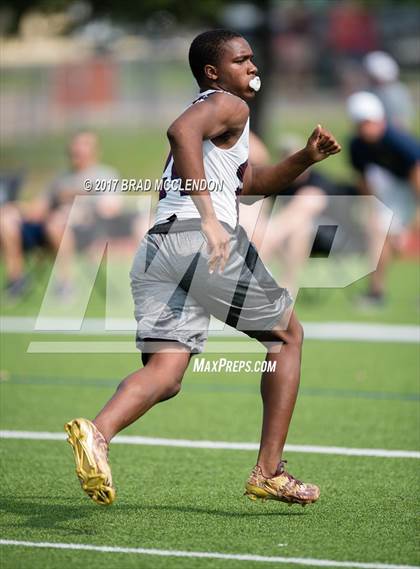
205	94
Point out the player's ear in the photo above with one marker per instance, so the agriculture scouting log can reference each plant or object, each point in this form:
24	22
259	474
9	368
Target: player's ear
210	72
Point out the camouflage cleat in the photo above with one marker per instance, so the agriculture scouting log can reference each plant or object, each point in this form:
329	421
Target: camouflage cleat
282	486
91	456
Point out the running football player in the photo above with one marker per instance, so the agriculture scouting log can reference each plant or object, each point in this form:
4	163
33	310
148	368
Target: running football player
196	261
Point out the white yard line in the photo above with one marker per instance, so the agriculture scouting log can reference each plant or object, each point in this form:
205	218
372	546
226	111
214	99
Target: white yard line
306	561
357	331
218	445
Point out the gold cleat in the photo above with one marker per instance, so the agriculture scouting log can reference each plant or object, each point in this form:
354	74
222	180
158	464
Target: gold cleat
282	487
90	451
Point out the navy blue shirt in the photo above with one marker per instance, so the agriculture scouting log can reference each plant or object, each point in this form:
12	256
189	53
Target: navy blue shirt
396	151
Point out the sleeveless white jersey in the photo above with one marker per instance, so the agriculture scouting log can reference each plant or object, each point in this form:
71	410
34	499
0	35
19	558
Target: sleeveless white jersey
224	169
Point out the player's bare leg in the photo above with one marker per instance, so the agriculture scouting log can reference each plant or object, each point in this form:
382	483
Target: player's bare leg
279	390
159	380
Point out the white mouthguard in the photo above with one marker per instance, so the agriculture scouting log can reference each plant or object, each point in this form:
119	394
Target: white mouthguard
255	84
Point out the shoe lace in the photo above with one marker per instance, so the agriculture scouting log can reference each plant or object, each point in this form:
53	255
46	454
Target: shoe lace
101	443
283	471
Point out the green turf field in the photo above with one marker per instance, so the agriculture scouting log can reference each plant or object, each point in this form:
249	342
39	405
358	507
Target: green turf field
354	394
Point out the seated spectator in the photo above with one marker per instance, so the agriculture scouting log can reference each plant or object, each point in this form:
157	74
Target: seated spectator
45	221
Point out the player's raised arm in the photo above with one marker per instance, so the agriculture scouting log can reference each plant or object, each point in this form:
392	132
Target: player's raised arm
268	180
220	115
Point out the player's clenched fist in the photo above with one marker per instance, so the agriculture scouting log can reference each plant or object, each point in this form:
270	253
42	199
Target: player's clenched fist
321	144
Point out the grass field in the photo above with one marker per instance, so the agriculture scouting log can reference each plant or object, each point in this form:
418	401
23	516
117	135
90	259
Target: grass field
353	395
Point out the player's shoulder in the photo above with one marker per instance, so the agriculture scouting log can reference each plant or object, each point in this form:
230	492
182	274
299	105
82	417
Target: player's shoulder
227	103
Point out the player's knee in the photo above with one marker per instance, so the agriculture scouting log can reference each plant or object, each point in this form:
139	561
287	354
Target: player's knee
298	333
173	382
168	372
173	389
294	332
292	335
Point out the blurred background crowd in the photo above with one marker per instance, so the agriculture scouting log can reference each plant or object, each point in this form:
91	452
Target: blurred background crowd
88	89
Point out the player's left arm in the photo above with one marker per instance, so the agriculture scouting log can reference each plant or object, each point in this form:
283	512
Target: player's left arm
269	180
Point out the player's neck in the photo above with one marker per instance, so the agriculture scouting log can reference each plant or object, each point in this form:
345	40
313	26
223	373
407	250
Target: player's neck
213	86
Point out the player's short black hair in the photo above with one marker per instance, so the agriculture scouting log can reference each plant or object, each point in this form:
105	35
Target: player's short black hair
206	49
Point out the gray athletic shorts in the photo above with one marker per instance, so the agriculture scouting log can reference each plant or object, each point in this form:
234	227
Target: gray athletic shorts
174	294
